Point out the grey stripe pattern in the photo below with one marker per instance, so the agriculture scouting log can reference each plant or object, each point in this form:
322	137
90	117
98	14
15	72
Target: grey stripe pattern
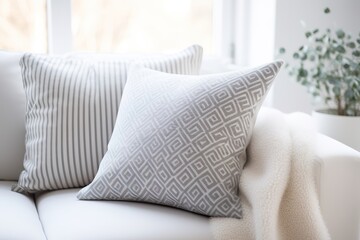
180	140
72	104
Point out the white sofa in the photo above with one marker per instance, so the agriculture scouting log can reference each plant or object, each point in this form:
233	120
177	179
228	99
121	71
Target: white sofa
60	215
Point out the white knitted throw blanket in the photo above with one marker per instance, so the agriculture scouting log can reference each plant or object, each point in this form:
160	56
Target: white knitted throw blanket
277	185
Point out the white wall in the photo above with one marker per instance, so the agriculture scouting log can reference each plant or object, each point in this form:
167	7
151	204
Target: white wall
288	95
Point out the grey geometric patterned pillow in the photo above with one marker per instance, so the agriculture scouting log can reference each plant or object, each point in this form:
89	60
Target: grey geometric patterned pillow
71	109
181	140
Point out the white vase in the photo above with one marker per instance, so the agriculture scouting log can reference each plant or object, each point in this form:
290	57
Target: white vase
345	129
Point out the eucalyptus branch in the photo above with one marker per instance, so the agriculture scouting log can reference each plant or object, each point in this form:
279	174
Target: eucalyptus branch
328	65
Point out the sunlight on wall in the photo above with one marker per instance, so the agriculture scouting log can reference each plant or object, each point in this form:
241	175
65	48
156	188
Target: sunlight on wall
23	25
141	25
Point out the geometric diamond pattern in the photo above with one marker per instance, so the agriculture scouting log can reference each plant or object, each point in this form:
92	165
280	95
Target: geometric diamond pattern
181	140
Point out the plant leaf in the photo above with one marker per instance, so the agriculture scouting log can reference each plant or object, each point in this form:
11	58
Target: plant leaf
350	45
336	90
303	56
340	34
356	53
303	72
340	49
339	57
349	93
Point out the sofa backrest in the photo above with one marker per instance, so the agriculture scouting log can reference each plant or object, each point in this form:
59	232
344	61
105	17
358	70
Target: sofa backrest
12	101
12	109
12	116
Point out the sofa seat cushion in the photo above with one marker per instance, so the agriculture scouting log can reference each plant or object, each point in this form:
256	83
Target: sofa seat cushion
65	217
18	215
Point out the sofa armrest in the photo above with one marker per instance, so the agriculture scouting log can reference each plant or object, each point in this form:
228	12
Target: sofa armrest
338	185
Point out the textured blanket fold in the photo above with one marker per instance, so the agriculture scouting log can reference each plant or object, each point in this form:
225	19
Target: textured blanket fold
277	185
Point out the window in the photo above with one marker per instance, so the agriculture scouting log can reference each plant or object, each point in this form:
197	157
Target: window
59	26
141	25
23	25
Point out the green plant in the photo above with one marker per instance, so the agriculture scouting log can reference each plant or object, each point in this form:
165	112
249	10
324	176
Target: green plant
329	66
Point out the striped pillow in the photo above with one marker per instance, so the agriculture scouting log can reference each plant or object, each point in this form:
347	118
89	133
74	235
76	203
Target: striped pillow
72	106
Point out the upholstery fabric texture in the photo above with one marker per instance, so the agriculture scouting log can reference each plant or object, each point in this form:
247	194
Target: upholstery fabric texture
12	116
97	220
71	109
180	140
19	218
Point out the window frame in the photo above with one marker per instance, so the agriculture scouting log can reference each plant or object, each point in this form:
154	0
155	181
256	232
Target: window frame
240	29
59	26
60	35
